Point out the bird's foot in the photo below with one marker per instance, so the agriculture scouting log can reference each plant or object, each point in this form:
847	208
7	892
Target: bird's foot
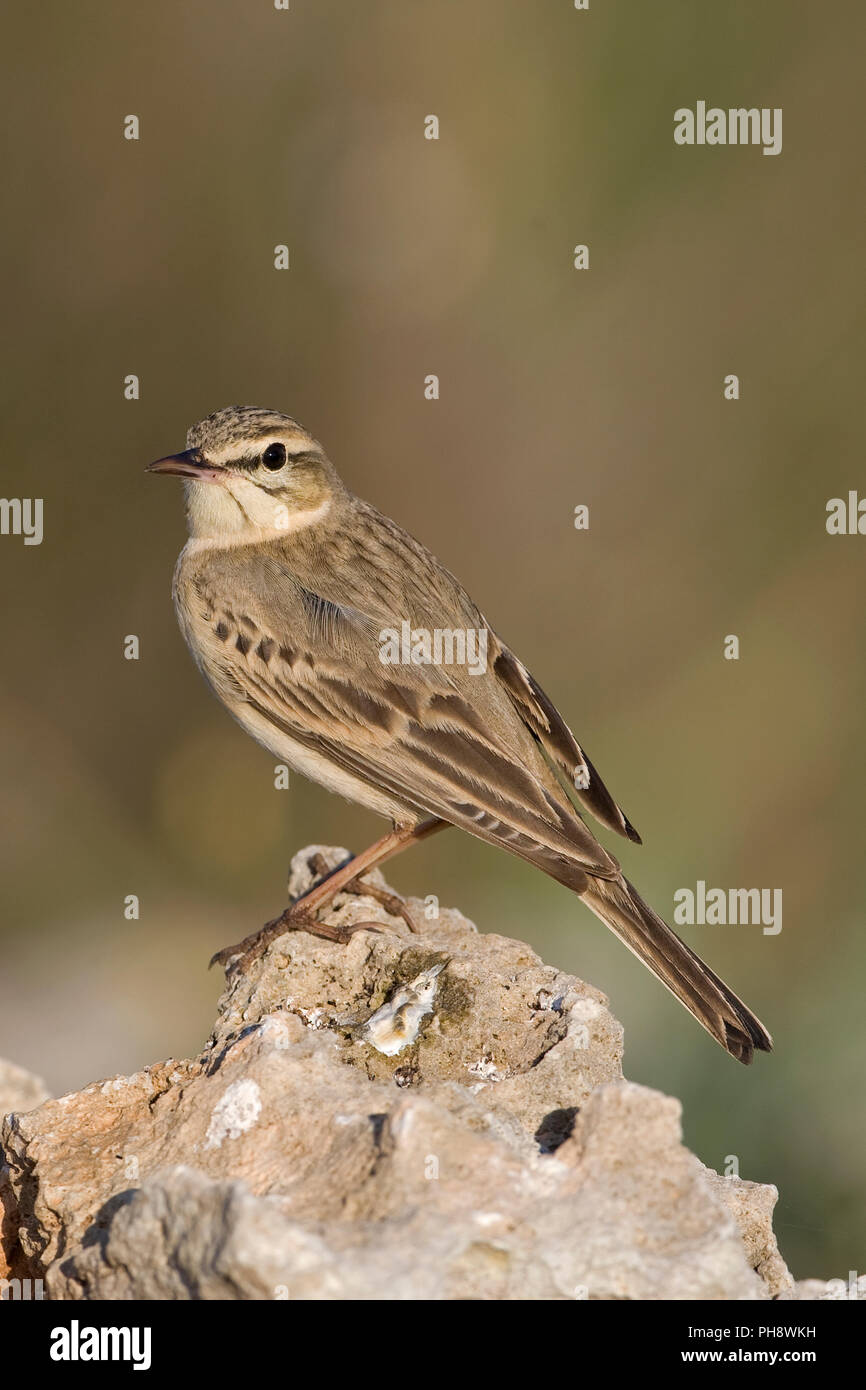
295	918
394	906
299	917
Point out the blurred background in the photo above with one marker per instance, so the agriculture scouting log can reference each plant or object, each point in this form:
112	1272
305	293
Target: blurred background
558	387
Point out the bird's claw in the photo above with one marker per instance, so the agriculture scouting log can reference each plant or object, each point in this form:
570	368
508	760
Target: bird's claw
241	956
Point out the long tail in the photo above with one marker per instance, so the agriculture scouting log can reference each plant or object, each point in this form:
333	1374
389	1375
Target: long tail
717	1008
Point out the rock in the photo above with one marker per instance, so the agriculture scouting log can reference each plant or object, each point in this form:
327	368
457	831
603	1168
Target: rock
19	1090
493	1152
751	1204
852	1288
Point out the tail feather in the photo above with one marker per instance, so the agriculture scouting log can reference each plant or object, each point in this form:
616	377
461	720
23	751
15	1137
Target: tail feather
714	1005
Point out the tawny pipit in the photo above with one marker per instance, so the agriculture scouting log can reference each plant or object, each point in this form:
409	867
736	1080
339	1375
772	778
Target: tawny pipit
285	591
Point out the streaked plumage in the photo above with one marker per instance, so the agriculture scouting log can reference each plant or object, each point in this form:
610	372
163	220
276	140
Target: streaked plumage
282	593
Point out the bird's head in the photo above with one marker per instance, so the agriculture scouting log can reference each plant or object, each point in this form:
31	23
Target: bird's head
251	474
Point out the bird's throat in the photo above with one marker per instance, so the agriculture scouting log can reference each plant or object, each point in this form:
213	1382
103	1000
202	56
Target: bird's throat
242	513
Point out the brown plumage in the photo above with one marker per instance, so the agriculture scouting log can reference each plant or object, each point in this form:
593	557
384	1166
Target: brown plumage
283	594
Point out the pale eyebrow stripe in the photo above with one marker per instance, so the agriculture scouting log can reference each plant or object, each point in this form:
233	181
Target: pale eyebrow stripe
298	447
305	454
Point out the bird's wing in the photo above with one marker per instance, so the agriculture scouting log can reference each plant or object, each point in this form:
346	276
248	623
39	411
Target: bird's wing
546	724
440	740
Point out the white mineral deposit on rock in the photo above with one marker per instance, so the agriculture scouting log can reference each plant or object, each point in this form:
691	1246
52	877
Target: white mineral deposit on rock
396	1024
234	1113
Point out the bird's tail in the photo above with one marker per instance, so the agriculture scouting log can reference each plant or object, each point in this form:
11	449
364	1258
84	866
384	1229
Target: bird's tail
716	1007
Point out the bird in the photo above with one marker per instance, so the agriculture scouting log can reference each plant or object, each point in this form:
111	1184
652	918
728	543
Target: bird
313	618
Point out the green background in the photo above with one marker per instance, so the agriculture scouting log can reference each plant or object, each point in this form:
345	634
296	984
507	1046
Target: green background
558	387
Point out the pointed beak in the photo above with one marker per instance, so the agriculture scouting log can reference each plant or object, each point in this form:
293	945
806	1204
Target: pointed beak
189	464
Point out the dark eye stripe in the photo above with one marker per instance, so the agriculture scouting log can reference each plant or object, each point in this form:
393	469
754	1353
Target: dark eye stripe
252	464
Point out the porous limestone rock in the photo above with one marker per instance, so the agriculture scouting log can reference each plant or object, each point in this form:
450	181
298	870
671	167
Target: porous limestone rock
498	1154
19	1090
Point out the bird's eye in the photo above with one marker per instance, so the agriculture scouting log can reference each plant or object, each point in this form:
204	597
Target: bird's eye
274	456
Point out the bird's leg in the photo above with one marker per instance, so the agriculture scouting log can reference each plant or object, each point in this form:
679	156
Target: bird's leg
301	914
392	904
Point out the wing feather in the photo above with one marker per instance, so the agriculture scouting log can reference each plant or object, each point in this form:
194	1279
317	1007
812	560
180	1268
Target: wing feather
544	721
298	640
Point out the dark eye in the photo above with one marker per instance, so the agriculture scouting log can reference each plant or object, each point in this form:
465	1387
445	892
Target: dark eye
274	456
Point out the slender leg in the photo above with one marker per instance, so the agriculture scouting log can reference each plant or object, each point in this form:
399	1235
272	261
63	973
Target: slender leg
301	914
390	901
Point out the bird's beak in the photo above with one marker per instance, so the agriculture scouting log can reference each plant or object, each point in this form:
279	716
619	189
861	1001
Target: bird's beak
189	464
